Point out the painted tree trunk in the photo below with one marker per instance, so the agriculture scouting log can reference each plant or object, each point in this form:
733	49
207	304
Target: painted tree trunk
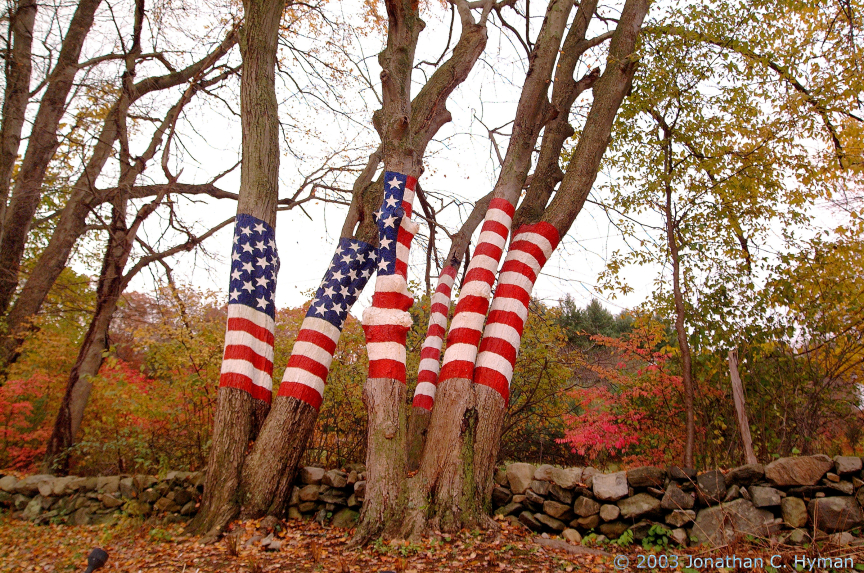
245	383
269	470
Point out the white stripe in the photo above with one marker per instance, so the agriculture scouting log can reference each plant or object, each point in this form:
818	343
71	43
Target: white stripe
401	252
507	304
526	258
322	326
391	283
499	216
244	367
438	318
461	351
440	298
495	362
429	364
472	320
384	350
476	288
313	351
242	338
425	389
493	238
408	195
503	332
242	311
483	262
538	240
409	225
373	316
516	279
301	376
433	342
446	279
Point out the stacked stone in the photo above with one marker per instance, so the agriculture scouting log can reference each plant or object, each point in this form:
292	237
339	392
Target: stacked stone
781	501
98	500
335	492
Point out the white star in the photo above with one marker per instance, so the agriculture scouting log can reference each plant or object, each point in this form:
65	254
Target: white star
338	252
345	291
259	228
236	238
262	281
394	183
342	308
245	230
352	274
235	274
235	256
389	221
391	202
247	248
271	243
385	243
328	292
247	286
354	245
318	308
263	262
378	214
347	258
247	267
262	302
383	265
260	245
366	273
338	276
234	293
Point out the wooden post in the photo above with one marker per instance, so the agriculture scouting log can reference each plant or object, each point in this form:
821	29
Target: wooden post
740	408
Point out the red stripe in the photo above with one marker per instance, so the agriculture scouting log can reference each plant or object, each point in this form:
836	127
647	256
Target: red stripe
386	368
410	182
436	331
488	249
513	291
402	268
543	228
506	317
439	308
427	376
422	401
241	382
464	336
301	392
495	227
430	352
493	379
450	271
457	369
241	352
318	339
443	288
481	275
500	347
384	299
385	333
407	207
404	237
309	365
530	248
504	205
512	266
472	303
261	333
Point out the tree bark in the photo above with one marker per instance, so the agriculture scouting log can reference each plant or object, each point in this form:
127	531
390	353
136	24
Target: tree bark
17	94
741	408
238	413
40	149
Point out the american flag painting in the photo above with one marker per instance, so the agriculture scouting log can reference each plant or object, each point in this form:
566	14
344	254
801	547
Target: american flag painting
309	364
387	321
466	327
248	361
529	250
430	354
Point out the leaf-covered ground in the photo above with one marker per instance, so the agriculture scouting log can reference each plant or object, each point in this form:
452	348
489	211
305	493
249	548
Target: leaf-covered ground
135	546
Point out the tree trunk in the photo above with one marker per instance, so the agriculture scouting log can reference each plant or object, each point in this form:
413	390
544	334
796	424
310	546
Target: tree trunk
244	393
17	94
741	408
41	146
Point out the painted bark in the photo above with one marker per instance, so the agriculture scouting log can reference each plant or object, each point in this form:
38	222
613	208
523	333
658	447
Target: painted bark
239	413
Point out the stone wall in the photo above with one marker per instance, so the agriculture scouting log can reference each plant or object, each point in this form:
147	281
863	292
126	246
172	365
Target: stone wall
321	494
782	501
